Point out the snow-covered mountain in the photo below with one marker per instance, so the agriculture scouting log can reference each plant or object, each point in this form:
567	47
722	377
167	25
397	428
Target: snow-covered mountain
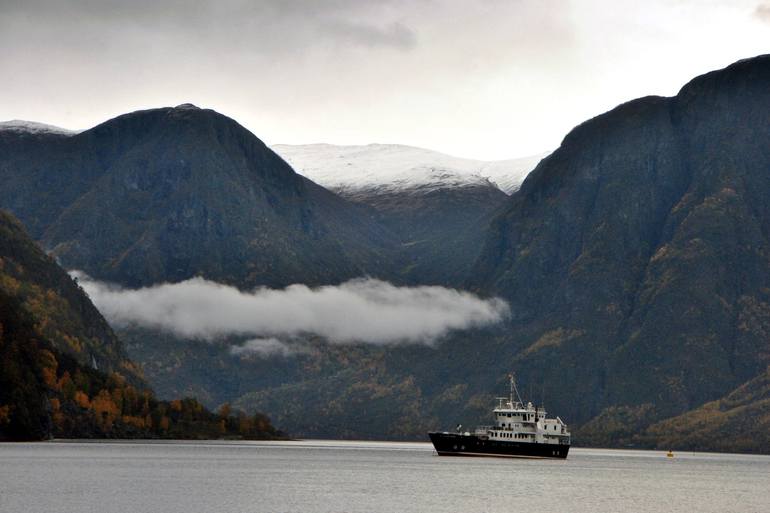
388	168
33	127
433	202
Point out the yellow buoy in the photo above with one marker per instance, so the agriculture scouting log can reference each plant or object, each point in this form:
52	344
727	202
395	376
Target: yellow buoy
670	454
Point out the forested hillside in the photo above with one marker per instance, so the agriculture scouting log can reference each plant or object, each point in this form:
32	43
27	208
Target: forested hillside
51	338
62	312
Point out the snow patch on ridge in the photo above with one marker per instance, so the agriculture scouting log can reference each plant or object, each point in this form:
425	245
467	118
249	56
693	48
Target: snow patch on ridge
32	127
384	168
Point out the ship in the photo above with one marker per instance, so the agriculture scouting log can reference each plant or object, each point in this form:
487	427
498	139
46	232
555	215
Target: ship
520	431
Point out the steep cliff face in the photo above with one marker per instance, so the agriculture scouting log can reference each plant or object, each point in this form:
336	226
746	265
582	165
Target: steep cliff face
166	194
637	255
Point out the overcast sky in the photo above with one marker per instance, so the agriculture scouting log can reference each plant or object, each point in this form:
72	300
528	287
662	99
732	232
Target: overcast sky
486	79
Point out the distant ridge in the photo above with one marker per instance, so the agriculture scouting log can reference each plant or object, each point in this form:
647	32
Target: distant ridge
32	127
387	168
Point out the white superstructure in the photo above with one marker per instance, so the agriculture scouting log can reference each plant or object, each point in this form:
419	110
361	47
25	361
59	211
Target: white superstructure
519	422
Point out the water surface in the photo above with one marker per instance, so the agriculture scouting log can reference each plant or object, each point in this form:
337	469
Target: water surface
366	477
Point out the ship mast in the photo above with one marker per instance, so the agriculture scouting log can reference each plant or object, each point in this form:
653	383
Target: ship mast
514	390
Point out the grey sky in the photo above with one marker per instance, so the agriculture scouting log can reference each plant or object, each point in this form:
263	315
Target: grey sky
486	79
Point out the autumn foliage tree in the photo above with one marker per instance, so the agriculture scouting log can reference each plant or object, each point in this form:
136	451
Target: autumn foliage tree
45	393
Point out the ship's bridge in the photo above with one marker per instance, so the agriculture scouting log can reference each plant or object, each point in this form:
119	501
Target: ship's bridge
508	409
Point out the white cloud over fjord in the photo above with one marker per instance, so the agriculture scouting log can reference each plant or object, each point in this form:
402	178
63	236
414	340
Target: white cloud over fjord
363	310
262	347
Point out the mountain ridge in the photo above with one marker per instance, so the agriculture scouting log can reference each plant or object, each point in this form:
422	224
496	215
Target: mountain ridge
365	170
128	197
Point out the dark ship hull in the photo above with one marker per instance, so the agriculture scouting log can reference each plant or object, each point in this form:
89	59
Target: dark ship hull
456	444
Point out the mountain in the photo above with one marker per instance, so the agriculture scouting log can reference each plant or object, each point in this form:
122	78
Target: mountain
432	202
636	256
64	373
635	259
171	193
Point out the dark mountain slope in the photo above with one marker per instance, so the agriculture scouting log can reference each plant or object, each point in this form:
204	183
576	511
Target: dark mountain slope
437	227
38	175
636	255
166	194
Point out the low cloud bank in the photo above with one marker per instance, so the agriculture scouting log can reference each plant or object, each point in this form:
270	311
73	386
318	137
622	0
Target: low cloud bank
262	347
358	311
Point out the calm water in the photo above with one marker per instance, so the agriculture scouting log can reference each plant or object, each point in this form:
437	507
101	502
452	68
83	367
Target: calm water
342	477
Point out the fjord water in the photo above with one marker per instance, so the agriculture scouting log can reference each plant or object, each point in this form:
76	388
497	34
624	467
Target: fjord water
370	477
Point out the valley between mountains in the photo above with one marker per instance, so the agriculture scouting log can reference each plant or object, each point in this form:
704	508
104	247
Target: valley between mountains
633	260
